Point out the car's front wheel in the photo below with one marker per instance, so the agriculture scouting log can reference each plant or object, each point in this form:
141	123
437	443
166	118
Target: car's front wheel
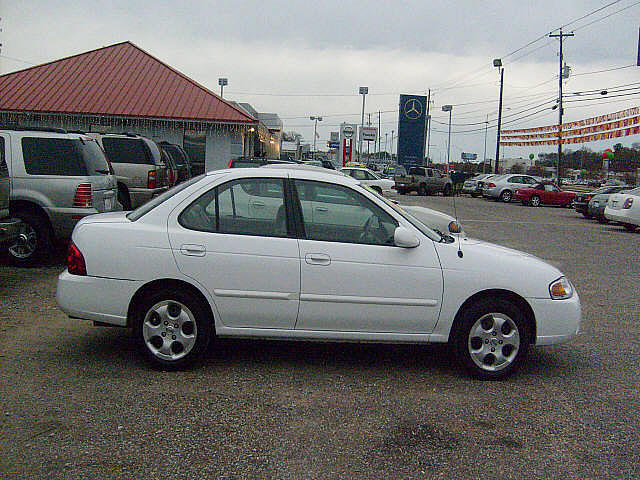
491	338
173	328
506	196
34	240
535	201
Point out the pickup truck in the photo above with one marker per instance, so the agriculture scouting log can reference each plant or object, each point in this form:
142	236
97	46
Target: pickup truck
423	180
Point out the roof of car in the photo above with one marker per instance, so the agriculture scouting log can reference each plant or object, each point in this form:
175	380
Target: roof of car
310	171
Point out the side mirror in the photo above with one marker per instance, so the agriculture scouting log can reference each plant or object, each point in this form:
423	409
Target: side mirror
405	238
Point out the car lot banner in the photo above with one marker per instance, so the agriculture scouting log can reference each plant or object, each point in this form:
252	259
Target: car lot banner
584	139
412	122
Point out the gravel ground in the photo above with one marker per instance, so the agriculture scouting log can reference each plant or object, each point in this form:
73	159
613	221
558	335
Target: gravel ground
77	401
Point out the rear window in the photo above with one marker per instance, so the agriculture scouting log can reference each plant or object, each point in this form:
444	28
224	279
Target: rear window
175	153
127	150
154	202
53	156
94	158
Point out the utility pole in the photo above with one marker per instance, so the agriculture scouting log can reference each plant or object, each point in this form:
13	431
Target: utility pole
386	138
560	36
498	63
363	91
428	124
368	143
392	131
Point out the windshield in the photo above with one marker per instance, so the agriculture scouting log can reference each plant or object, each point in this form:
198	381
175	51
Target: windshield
428	232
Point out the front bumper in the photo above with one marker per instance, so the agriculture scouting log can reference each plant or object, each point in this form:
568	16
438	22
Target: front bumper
557	321
9	231
103	300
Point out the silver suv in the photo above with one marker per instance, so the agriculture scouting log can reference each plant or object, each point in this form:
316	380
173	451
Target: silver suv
138	164
57	178
8	226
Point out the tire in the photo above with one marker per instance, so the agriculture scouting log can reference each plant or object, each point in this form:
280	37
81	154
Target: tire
190	338
506	196
629	227
534	201
447	190
586	215
123	198
487	352
34	243
602	219
422	190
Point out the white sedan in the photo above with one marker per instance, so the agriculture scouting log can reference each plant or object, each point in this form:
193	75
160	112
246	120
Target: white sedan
300	254
369	178
624	208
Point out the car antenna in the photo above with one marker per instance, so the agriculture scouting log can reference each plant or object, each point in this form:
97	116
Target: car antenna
455	215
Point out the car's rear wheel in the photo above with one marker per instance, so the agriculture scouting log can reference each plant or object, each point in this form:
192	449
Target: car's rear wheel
173	328
491	338
123	198
422	190
535	201
506	196
34	240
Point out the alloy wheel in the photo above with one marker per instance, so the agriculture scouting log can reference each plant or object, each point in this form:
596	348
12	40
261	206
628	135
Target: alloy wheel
169	330
494	341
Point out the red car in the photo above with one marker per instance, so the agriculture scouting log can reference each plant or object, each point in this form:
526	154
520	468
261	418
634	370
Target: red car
544	193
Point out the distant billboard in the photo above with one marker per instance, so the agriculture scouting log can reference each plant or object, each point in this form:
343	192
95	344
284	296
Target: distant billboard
468	156
334	137
412	123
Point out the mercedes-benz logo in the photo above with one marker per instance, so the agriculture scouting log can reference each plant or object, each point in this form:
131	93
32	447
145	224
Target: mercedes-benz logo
413	109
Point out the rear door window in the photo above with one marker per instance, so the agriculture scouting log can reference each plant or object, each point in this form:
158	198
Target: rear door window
53	156
127	150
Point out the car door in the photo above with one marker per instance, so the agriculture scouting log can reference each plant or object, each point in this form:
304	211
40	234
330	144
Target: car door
248	261
553	195
353	278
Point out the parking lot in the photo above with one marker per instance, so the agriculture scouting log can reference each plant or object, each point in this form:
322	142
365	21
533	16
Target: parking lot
79	402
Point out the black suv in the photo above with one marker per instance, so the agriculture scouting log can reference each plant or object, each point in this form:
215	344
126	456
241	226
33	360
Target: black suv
180	160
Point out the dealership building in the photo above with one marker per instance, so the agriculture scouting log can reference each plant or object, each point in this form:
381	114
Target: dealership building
122	88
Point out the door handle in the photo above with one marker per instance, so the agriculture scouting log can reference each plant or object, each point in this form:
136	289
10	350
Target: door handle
322	209
258	205
193	250
317	259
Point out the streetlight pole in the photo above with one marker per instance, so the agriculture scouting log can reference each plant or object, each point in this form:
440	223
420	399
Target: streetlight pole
498	63
448	108
363	91
315	120
386	138
222	82
486	127
392	132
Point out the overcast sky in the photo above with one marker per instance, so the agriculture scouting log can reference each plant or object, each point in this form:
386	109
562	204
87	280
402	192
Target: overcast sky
308	58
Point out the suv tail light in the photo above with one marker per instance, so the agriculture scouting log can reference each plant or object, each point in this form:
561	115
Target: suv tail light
491	185
152	179
171	176
82	198
75	261
627	203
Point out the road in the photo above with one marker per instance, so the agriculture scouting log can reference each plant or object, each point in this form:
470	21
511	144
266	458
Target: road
78	401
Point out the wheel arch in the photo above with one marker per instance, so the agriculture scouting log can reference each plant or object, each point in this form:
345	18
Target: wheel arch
490	294
161	284
16	206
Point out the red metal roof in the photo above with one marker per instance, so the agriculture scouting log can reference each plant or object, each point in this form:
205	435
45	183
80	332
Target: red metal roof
120	79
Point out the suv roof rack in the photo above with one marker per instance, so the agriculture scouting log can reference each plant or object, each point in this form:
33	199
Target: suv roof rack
128	134
15	126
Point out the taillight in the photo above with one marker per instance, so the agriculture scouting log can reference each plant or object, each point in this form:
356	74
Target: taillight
82	198
491	185
152	179
171	177
588	197
75	261
627	203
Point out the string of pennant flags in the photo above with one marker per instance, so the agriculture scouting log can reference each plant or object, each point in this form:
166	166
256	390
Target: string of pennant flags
578	123
583	139
592	130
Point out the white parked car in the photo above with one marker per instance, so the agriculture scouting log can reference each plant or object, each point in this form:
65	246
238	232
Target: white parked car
502	188
624	208
369	178
300	254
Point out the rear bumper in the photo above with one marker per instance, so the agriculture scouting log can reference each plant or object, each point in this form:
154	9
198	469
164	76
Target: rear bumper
9	231
621	216
103	300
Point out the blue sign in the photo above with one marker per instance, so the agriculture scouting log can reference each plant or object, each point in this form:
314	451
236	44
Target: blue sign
412	123
333	145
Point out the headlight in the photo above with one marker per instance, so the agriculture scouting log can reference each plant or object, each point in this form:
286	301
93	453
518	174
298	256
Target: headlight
561	289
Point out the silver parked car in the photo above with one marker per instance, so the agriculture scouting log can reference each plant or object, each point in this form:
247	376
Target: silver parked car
8	226
472	186
502	188
139	166
57	179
